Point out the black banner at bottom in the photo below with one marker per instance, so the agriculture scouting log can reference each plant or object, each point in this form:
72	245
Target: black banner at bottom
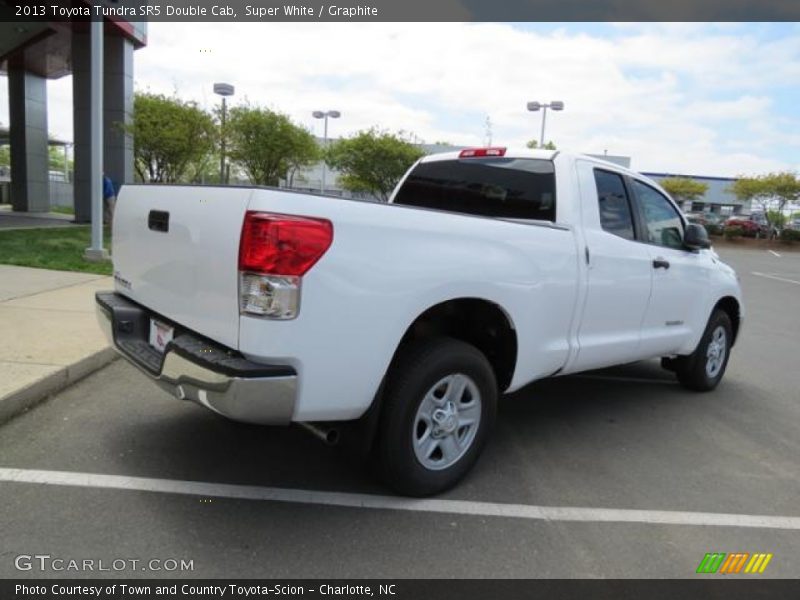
398	589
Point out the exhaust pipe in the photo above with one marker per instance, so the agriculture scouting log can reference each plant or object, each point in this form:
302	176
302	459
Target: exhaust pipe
329	435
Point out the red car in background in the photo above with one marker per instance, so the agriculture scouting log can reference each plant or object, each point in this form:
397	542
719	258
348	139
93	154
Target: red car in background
749	227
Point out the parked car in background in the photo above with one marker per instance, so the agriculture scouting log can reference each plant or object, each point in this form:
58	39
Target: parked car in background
705	218
697	217
749	227
713	222
793	224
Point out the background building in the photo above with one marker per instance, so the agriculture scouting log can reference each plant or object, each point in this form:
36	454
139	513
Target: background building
717	198
31	53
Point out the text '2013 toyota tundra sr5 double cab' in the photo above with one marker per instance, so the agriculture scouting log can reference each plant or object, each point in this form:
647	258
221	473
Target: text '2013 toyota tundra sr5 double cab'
487	270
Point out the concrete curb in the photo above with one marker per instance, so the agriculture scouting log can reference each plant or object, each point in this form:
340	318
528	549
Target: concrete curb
29	396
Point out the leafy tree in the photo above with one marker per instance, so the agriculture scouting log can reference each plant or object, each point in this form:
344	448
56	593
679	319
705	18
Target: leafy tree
372	161
534	144
203	169
776	218
305	152
57	159
684	189
169	135
267	145
771	192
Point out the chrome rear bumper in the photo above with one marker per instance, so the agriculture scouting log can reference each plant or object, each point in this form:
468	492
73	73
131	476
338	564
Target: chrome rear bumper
196	369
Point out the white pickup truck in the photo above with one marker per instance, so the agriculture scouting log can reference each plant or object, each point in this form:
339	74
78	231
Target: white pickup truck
487	270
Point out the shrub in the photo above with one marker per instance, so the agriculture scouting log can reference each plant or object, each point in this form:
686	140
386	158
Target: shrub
714	229
789	236
732	232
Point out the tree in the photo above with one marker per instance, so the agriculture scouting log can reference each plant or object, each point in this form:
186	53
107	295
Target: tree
305	152
267	145
534	144
169	134
771	192
372	161
684	189
776	218
57	159
203	169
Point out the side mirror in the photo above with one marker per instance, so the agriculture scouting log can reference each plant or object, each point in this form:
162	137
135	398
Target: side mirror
696	237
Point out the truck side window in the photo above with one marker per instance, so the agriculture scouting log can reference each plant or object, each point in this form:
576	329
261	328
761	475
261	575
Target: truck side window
615	209
664	225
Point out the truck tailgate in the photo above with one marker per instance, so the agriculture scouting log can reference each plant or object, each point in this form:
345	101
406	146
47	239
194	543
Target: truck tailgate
175	251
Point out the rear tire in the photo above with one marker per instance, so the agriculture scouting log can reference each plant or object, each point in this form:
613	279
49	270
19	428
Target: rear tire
702	370
440	403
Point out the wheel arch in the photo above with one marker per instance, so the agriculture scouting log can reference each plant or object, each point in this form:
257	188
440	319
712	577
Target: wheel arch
732	308
448	317
476	321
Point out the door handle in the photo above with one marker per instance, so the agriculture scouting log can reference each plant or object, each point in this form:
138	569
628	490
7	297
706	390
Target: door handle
660	263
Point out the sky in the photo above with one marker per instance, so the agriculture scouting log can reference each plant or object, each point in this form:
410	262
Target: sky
701	99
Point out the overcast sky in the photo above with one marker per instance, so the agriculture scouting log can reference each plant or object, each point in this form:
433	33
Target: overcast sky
681	98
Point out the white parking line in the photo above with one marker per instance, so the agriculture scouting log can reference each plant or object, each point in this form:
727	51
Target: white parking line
774	253
350	500
768	276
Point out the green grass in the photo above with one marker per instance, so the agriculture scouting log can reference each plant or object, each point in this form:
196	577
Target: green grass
62	210
59	248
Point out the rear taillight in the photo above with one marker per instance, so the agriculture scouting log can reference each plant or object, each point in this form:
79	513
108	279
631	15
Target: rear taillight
275	251
481	152
282	244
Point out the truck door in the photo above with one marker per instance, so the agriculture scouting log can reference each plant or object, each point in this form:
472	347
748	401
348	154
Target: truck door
619	271
681	278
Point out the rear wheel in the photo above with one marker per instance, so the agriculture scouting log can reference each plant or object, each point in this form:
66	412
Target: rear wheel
439	405
703	369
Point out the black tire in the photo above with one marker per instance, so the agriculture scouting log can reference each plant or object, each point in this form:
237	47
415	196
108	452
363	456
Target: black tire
418	367
695	371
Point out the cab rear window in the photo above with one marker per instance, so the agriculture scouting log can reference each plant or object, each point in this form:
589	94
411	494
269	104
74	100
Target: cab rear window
511	188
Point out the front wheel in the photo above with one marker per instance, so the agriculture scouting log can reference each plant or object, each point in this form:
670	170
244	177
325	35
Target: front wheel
439	405
703	369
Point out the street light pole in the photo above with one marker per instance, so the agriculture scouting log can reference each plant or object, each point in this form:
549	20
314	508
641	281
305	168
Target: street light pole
96	251
325	144
534	106
222	142
544	120
224	90
319	114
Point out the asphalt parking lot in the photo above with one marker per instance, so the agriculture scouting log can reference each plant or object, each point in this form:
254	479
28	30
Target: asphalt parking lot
626	439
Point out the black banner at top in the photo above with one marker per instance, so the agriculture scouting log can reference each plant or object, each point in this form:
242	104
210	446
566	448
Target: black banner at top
401	10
